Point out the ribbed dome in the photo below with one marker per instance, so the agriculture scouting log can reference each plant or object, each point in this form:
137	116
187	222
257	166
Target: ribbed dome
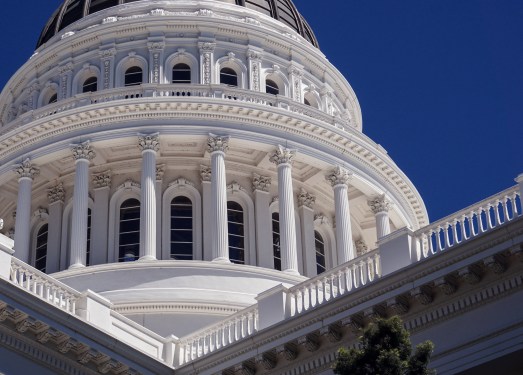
73	10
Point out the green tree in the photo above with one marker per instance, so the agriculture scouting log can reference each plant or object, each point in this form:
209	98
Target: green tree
385	350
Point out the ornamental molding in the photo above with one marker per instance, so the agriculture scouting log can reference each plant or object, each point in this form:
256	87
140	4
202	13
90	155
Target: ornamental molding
181	183
361	247
156	46
321	219
282	155
129	185
83	151
149	142
205	173
261	183
102	180
217	143
56	193
206	46
139	308
379	204
160	171
67	68
107	53
235	187
339	176
306	199
27	170
266	360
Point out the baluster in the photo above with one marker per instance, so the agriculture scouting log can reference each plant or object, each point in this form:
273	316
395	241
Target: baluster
355	276
377	264
481	227
488	213
369	269
363	273
446	235
473	231
456	236
515	211
438	239
432	234
339	283
304	302
348	279
326	291
497	215
333	290
60	299
505	203
244	326
464	235
67	299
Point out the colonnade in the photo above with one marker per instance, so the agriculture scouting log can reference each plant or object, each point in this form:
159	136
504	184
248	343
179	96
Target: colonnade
217	146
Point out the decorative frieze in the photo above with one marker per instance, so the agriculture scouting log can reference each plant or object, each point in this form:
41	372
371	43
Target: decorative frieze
339	176
205	173
56	193
306	199
102	180
217	143
282	155
83	151
148	142
261	183
379	204
27	170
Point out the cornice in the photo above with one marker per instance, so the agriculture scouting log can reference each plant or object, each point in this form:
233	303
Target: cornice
150	308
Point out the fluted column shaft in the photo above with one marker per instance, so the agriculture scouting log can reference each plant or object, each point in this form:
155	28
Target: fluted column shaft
149	144
218	146
27	172
80	211
339	180
289	253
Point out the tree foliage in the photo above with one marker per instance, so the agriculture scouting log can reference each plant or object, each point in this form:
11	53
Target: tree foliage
385	350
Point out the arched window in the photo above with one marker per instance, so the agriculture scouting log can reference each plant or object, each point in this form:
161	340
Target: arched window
271	87
181	229
236	232
133	76
276	240
129	244
90	85
41	248
181	73
228	77
88	257
53	99
319	244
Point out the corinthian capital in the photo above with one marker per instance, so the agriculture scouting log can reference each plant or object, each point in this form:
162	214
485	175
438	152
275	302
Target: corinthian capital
261	183
282	156
56	193
205	173
217	143
306	199
26	169
379	204
83	151
102	180
149	142
339	176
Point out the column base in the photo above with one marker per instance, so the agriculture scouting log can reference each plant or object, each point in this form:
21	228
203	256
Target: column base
222	260
76	266
147	258
292	272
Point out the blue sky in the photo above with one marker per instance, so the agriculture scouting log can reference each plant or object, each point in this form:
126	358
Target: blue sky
440	83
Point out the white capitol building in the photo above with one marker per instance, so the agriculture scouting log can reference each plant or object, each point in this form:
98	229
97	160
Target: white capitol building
186	188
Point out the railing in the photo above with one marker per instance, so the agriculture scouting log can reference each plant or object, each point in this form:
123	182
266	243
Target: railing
334	283
237	327
469	222
176	91
43	286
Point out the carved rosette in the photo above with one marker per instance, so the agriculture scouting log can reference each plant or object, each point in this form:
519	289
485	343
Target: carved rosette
83	151
306	199
282	156
160	171
379	204
217	143
261	183
339	176
205	173
149	142
27	170
56	194
102	180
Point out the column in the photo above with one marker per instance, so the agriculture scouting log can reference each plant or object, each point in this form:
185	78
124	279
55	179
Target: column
217	146
380	206
100	218
206	61
156	48
160	170
306	203
26	173
83	154
149	145
262	201
56	197
339	179
205	173
282	157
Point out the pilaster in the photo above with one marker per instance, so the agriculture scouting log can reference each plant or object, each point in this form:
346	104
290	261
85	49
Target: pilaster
100	217
254	58
205	173
156	50
56	198
206	62
306	202
160	170
262	200
107	55
296	75
66	75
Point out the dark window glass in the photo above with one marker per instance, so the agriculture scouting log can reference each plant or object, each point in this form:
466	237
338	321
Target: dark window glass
276	240
97	5
306	102
53	99
73	12
90	84
271	87
181	229
181	73
88	258
320	252
133	76
229	77
129	245
236	233
41	248
262	6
